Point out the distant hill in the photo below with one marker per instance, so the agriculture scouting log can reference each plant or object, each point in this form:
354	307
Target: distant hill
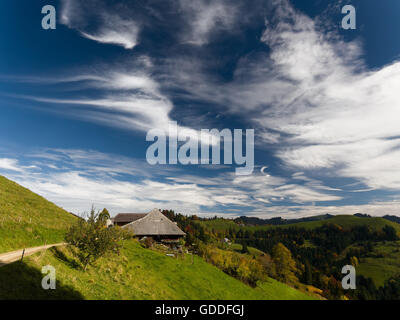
254	221
345	221
27	219
387	217
137	273
392	218
248	221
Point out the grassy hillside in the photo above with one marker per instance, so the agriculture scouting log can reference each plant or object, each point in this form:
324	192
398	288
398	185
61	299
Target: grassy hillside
237	247
28	220
382	263
220	224
137	273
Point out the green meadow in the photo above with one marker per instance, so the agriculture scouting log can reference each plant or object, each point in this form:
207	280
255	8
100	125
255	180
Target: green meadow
382	263
137	273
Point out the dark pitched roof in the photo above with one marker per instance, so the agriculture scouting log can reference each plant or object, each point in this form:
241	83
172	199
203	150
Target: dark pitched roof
128	217
154	223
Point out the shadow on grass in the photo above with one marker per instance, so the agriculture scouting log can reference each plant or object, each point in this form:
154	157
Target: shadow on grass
64	258
19	281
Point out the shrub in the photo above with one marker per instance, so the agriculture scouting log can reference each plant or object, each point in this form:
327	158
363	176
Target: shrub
147	242
268	264
93	239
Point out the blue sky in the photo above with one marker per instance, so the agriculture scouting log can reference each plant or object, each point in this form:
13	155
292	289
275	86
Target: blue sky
76	103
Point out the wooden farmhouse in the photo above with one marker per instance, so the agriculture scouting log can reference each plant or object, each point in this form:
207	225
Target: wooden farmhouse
122	219
153	224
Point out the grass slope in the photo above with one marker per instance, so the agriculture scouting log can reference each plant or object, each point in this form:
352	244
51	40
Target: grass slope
137	273
382	263
220	224
237	247
28	220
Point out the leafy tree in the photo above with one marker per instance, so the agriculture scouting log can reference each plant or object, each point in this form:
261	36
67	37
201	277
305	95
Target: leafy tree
307	273
391	289
93	239
244	248
104	215
268	264
285	264
250	271
390	233
354	261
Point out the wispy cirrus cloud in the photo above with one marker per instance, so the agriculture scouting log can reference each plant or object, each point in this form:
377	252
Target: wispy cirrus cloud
337	114
106	25
129	100
10	165
313	98
314	104
205	18
124	96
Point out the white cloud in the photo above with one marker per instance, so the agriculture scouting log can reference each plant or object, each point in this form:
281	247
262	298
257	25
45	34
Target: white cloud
126	38
110	28
268	137
337	115
76	192
10	164
130	111
313	98
310	95
75	179
270	189
126	97
207	17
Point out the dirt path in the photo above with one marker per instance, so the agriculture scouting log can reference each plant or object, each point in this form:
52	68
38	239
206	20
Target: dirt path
9	257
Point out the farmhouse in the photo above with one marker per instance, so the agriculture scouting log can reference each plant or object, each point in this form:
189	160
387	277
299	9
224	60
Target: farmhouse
153	224
122	219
